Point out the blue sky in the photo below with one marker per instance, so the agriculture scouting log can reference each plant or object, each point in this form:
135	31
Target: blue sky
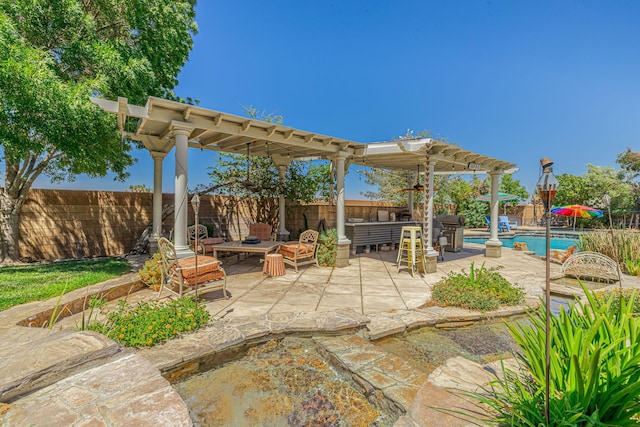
516	80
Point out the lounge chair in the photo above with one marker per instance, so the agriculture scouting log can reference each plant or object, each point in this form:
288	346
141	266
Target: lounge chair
504	220
181	277
302	252
503	224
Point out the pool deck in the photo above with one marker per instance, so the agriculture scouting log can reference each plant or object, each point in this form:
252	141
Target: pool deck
63	377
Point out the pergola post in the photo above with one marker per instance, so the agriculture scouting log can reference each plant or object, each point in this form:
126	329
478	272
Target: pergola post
342	257
431	255
156	228
181	204
283	233
493	246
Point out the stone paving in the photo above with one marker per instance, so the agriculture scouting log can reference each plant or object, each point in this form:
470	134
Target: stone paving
63	377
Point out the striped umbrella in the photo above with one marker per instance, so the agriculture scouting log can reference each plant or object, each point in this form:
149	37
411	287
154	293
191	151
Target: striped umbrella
577	211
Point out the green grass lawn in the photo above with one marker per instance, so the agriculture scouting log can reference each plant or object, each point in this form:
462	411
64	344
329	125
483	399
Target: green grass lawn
26	283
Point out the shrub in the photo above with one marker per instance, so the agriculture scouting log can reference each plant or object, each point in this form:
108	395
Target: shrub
594	372
151	271
623	246
620	295
152	322
327	248
481	289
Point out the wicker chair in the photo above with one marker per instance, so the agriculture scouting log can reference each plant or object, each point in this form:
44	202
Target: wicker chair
302	252
180	277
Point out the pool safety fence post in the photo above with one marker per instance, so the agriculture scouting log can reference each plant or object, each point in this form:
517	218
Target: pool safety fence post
547	186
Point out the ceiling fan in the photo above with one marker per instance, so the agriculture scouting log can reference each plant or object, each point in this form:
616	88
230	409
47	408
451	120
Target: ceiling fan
417	186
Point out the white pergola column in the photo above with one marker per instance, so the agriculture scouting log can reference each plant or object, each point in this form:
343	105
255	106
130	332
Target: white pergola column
340	215
283	233
342	256
181	204
493	246
431	256
156	228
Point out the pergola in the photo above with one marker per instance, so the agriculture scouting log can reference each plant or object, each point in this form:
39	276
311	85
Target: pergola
163	125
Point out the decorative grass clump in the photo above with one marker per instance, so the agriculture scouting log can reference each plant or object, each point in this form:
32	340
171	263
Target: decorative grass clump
151	323
623	246
482	289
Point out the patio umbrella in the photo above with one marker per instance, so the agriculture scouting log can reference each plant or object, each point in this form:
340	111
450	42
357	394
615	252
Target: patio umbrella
576	211
502	197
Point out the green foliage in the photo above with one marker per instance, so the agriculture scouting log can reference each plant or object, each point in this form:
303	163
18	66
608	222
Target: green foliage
327	248
632	267
55	55
594	372
482	289
474	212
36	282
623	246
304	182
151	271
150	323
620	296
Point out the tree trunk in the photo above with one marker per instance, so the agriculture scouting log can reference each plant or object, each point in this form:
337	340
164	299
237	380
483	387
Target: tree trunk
10	209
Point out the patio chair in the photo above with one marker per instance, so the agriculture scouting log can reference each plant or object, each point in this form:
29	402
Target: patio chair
302	252
179	276
506	223
261	230
205	243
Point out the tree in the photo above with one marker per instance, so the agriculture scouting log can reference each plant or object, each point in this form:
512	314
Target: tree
256	177
139	188
54	55
391	185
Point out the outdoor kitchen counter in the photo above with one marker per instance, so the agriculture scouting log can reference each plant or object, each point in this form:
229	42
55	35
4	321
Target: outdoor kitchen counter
363	234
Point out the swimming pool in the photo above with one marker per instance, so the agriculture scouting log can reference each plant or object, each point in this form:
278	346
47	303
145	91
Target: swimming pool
535	242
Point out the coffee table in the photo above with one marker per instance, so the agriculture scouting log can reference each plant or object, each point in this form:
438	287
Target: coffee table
263	247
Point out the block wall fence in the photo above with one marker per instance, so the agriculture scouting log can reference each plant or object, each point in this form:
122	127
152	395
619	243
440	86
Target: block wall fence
68	224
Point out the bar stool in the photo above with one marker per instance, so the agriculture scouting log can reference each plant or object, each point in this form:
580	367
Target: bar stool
411	248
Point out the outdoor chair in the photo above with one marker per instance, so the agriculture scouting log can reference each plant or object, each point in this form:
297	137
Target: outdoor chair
302	252
205	243
508	224
261	230
184	276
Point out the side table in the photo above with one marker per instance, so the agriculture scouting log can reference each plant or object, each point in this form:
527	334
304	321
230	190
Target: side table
273	265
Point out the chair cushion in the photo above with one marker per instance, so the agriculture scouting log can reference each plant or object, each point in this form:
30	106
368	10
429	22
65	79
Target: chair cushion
212	241
289	249
208	269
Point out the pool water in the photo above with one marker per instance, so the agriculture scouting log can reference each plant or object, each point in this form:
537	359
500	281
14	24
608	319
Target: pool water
535	242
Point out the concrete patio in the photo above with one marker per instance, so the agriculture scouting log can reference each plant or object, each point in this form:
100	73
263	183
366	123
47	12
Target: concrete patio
80	378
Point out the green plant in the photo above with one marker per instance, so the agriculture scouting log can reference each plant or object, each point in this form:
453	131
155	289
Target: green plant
619	245
150	323
481	289
632	266
56	312
594	368
620	295
95	302
327	247
151	271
